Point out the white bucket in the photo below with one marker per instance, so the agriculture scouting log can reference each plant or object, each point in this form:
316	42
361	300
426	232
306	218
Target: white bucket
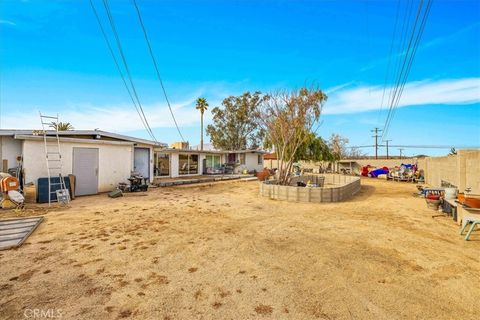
450	193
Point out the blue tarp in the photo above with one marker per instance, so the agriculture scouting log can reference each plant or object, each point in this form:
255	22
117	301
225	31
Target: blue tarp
376	172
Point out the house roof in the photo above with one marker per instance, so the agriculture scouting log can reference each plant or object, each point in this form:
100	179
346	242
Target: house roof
210	151
270	156
84	133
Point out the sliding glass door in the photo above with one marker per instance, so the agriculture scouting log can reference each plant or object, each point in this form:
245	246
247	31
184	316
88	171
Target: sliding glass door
213	161
162	165
187	164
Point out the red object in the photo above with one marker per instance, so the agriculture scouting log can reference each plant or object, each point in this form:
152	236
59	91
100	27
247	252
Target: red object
433	196
263	175
365	171
9	183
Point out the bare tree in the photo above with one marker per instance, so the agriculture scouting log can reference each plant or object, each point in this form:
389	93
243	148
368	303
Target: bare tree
338	145
288	119
355	153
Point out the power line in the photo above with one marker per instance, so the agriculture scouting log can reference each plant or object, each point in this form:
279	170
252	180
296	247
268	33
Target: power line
117	65
409	67
400	78
407	63
419	146
389	60
156	66
402	45
122	55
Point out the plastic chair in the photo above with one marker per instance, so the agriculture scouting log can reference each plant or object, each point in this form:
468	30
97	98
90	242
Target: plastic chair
466	222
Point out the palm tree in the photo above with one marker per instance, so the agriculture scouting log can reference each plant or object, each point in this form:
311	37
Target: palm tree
62	126
202	106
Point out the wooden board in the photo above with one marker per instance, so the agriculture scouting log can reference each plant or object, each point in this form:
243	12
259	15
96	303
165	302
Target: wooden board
13	232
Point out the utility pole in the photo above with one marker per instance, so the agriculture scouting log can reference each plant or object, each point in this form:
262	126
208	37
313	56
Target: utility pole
376	130
387	141
400	149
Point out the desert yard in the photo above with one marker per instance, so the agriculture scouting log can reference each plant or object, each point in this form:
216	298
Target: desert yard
222	252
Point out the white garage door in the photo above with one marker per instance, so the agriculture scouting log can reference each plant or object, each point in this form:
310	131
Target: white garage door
142	161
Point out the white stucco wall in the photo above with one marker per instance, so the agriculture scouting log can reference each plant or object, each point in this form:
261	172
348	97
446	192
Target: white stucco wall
10	150
251	163
201	157
115	161
174	165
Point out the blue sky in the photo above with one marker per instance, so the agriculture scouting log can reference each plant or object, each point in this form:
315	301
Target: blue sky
53	58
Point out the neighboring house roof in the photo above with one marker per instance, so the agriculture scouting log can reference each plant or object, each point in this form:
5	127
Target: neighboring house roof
206	147
95	134
270	156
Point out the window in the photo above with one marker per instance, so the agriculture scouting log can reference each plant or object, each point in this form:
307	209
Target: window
193	164
260	159
162	165
187	164
213	161
242	158
183	164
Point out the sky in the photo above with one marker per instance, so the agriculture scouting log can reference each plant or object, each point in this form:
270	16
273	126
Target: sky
54	59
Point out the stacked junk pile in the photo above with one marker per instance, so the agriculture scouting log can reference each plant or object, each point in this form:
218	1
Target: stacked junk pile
11	188
137	183
11	193
404	172
15	193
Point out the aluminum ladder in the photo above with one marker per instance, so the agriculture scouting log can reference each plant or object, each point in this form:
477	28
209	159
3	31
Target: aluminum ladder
54	161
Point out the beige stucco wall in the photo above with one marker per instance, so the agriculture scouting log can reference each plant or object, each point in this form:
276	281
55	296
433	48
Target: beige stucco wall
437	169
472	171
377	163
115	161
461	170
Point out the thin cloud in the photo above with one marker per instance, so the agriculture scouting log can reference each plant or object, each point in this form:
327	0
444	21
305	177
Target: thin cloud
450	37
344	99
368	98
119	118
7	22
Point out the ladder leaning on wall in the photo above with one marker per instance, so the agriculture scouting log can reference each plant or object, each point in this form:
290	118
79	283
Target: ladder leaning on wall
54	162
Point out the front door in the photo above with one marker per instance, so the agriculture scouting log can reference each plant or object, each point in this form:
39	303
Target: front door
141	163
85	169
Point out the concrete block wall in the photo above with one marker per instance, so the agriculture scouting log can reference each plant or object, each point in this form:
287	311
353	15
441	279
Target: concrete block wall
461	170
343	188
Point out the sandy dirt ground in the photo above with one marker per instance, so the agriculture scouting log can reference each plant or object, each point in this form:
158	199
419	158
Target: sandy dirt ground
223	252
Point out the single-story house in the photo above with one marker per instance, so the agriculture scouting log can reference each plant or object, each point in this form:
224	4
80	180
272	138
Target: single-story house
171	162
99	160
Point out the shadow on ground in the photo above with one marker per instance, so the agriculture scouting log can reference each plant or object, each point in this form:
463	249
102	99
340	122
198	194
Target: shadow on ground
365	193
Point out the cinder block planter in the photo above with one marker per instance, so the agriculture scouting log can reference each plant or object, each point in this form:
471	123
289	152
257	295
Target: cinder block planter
336	188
